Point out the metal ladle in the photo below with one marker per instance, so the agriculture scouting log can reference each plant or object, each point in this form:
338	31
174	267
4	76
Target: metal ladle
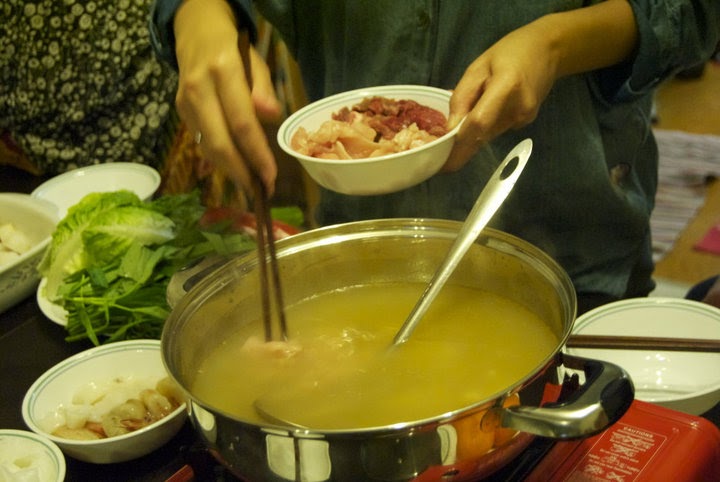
490	199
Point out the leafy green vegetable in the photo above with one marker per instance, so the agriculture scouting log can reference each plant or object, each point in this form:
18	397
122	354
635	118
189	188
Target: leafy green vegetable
111	235
112	257
292	215
66	253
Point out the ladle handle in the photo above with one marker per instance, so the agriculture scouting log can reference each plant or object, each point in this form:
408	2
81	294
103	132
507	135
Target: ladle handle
490	199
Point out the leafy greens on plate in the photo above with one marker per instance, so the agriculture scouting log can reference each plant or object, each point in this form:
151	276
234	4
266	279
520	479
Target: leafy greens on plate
112	256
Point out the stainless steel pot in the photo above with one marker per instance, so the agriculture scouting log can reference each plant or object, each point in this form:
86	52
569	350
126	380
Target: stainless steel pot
227	294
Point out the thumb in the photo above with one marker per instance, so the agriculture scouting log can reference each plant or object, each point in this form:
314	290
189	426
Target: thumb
267	106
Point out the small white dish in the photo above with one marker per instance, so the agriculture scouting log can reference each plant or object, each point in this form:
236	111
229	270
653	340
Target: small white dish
374	175
53	311
67	189
28	456
105	363
685	381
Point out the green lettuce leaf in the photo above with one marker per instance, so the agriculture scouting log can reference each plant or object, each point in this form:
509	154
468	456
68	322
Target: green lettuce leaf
111	235
66	253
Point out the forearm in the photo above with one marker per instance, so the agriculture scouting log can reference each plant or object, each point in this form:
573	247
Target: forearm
590	38
218	20
162	24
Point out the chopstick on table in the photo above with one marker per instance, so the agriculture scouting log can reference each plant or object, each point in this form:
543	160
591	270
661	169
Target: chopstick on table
265	235
644	343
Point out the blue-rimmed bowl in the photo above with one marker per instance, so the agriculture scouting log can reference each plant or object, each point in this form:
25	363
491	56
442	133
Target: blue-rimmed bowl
29	456
375	175
58	386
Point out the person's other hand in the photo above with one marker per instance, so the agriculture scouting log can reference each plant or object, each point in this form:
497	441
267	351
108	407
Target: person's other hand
501	90
504	87
214	98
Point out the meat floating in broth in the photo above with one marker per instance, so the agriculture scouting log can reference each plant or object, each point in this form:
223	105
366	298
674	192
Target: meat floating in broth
376	126
338	371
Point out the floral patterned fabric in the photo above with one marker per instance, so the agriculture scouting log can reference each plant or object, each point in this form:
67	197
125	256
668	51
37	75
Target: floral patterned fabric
80	85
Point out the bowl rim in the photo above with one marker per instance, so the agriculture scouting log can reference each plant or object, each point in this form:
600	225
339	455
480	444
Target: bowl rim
70	177
354	95
81	357
56	455
44	207
656	301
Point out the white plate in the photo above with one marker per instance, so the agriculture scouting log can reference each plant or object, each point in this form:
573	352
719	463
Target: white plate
29	456
55	312
685	381
70	187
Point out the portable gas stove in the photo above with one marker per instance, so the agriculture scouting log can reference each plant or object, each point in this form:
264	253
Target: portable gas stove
649	443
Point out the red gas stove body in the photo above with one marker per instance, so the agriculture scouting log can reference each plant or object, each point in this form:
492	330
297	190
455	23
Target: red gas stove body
648	444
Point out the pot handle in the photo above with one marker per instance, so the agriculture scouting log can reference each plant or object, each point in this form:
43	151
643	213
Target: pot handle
184	279
604	397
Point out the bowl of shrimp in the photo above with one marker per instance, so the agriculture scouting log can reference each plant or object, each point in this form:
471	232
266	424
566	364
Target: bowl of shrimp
111	403
26	227
373	140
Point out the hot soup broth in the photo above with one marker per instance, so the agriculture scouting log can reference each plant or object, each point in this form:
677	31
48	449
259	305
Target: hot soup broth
338	372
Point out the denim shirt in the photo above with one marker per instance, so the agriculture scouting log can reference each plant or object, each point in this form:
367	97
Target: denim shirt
587	192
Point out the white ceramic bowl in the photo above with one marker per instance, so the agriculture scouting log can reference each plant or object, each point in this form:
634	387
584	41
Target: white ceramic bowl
29	456
376	175
36	219
67	189
58	386
685	381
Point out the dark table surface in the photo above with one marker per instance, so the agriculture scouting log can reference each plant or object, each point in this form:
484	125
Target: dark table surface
30	344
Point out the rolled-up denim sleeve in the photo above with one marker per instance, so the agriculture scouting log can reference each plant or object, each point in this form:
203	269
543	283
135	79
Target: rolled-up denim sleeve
672	35
162	35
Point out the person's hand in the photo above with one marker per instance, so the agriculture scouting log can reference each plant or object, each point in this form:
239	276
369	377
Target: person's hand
214	98
501	90
504	87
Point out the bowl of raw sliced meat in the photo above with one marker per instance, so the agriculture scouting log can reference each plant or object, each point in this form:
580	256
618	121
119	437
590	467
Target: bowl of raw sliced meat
374	140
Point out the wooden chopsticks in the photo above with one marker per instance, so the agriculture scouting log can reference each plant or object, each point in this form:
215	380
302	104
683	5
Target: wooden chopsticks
266	239
644	343
265	235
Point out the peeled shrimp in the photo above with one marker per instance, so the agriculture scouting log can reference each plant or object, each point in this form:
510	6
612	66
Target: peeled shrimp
83	421
125	418
156	404
170	390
